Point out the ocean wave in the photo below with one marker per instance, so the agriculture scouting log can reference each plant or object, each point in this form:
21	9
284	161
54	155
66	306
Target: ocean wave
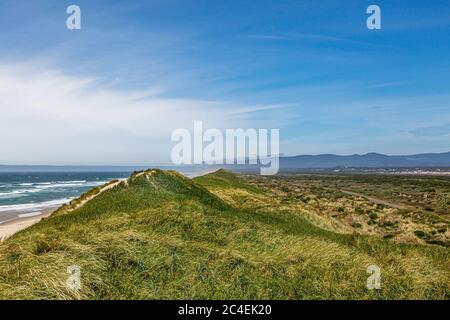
41	187
29	184
35	206
31	214
52	182
75	184
20	192
62	185
10	195
72	181
51	185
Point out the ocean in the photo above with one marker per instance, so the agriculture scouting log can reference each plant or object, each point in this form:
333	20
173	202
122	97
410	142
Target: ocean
30	193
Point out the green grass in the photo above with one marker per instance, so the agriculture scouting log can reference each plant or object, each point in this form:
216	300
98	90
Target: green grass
164	236
225	179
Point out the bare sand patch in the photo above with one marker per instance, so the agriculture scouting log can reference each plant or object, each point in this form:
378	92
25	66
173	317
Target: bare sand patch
8	228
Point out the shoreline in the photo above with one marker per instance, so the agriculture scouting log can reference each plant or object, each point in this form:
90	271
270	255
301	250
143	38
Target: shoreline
11	227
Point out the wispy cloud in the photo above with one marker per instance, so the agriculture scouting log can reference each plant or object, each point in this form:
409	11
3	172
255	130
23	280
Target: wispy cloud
297	36
50	116
259	108
389	84
433	131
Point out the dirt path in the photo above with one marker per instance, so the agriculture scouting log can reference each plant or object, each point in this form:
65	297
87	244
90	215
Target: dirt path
109	186
375	200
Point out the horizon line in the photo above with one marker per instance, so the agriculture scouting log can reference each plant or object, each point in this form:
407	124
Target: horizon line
204	164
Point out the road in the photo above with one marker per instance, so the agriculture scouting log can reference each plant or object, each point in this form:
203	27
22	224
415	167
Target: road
375	200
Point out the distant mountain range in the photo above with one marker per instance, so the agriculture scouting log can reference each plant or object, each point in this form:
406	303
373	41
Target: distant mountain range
369	160
321	161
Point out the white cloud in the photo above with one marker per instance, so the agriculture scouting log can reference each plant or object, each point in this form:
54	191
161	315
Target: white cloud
54	118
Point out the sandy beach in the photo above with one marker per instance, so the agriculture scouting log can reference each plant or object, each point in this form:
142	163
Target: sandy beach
8	228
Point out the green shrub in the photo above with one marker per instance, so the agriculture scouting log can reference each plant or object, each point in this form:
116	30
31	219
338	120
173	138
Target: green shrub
373	215
420	233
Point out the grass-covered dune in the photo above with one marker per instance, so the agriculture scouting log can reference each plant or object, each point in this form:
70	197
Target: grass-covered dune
160	235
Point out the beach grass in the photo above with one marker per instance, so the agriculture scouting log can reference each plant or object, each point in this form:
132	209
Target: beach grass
160	235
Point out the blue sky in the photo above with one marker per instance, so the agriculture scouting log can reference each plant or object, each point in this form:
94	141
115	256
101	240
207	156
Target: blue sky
112	92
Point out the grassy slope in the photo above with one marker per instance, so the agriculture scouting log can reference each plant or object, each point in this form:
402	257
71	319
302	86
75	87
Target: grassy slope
161	235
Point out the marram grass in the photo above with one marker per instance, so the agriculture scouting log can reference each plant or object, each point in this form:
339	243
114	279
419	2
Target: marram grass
160	235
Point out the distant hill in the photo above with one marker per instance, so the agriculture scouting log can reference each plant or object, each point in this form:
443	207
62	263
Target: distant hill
321	161
369	160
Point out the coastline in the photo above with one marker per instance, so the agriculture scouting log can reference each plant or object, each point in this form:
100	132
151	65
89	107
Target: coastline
17	217
10	227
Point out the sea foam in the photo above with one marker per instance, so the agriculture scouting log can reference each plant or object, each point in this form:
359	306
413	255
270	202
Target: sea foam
35	206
